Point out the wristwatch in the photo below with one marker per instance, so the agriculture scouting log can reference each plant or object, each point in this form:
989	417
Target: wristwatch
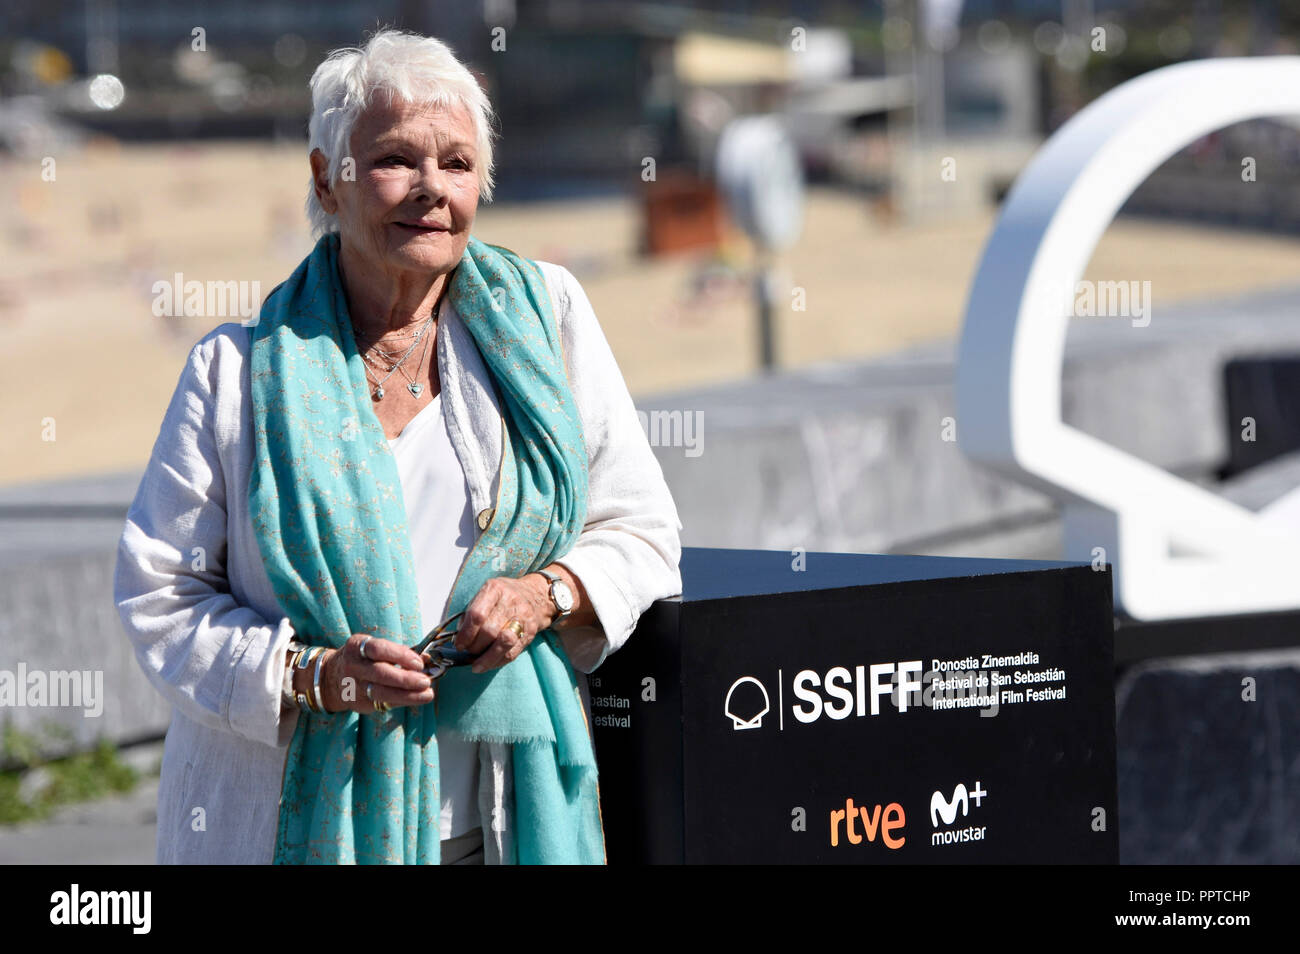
561	596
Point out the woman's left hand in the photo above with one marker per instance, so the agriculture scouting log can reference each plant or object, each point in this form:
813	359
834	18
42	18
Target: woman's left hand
483	628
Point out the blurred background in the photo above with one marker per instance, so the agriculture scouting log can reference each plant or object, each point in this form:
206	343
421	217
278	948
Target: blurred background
785	318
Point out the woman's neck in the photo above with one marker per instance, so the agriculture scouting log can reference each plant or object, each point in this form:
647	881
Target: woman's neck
383	303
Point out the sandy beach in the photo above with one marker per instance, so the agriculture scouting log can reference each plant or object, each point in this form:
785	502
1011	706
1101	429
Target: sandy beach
84	359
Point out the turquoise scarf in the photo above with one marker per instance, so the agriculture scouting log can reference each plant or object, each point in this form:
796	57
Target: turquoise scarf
330	519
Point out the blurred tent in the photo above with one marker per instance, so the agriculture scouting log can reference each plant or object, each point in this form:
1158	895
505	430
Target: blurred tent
705	59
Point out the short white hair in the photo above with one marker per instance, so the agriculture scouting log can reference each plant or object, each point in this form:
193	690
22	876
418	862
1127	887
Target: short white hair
410	68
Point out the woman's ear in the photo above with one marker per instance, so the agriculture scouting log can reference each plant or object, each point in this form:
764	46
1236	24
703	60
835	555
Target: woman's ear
320	176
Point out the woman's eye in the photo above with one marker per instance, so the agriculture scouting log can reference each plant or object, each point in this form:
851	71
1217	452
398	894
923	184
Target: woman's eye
396	160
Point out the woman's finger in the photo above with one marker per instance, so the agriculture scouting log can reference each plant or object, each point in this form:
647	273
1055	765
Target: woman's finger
388	675
476	632
493	639
392	697
506	648
382	650
349	675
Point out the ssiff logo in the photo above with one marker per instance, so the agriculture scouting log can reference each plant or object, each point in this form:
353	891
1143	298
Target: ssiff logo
845	693
744	709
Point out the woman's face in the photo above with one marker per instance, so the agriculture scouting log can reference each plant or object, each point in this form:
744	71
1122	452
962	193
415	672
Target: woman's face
415	191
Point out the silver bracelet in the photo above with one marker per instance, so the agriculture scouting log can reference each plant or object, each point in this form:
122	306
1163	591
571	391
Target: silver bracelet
297	648
315	681
302	660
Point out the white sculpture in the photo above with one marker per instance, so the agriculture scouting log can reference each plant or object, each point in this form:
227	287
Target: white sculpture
1177	550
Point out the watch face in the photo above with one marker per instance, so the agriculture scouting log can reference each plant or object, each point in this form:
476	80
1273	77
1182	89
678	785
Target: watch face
563	595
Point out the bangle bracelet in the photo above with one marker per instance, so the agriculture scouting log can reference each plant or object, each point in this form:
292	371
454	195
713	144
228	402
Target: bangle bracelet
303	661
315	682
297	650
309	658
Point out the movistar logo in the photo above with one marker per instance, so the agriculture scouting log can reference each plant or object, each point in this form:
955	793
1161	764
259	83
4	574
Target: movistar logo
943	812
946	809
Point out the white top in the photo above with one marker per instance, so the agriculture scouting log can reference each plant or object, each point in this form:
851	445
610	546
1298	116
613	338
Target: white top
213	640
441	524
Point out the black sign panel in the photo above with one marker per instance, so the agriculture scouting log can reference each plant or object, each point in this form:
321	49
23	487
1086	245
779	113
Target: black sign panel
963	717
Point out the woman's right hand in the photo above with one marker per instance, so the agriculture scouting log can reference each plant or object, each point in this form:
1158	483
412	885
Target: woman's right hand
396	673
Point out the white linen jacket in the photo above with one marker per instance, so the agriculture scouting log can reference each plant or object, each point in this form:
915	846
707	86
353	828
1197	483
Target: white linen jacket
205	623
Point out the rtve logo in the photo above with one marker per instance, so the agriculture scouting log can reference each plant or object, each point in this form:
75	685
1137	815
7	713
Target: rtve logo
878	821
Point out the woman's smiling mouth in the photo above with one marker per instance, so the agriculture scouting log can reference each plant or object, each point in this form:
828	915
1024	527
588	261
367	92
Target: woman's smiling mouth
421	228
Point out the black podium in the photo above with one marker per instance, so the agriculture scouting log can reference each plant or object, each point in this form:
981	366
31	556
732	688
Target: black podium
863	709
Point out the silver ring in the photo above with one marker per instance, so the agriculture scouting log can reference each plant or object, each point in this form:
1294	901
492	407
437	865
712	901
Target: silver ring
370	692
363	647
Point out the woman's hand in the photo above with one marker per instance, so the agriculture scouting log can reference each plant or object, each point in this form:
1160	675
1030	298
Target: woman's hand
483	628
393	673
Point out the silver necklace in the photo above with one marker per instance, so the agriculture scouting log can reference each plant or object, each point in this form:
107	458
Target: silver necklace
414	387
391	355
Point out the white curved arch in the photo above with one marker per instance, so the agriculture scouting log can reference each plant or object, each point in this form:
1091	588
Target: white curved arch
1008	386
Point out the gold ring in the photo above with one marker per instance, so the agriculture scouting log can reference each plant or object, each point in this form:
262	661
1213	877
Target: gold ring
517	627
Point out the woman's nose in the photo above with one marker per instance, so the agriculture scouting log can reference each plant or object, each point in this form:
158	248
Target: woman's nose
430	181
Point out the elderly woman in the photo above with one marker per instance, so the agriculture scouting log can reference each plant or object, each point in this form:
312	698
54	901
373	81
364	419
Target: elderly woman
418	425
